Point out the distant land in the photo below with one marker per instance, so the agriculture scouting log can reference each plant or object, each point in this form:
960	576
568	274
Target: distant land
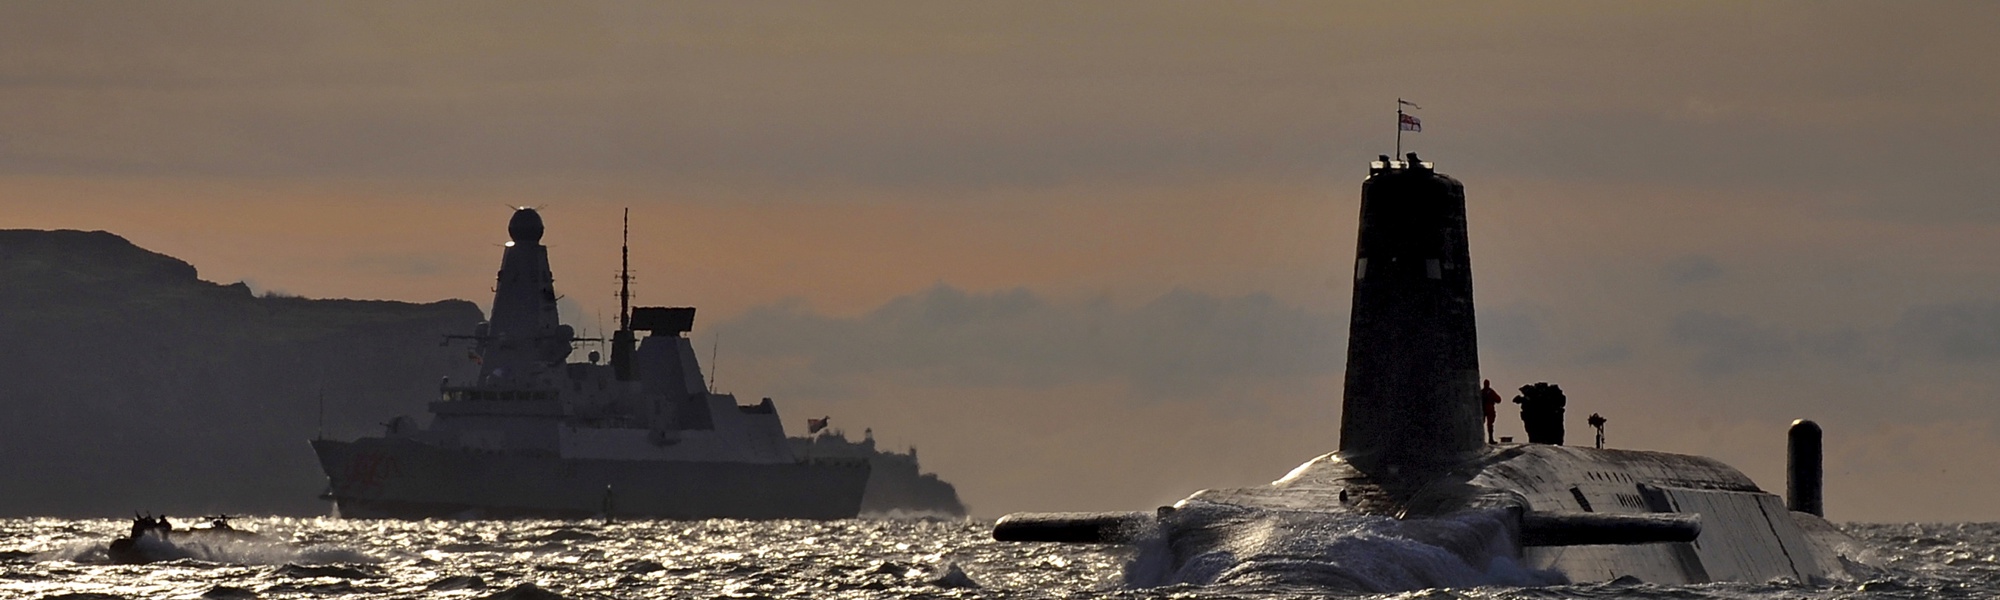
128	383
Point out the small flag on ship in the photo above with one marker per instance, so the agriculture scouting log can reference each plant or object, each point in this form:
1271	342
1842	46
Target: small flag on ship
1406	122
814	425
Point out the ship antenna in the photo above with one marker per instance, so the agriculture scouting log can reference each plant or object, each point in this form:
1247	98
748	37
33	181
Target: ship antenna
625	274
621	341
714	365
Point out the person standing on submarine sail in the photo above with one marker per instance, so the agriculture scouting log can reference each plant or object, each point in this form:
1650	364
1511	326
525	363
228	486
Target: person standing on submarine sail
1492	401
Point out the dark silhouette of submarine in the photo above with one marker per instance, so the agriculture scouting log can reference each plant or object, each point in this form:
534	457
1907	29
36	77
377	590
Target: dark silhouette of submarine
1413	462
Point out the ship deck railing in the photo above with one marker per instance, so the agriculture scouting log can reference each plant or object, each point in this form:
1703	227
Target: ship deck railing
460	394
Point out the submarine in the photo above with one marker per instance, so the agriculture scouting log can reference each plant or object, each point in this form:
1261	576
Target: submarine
1416	497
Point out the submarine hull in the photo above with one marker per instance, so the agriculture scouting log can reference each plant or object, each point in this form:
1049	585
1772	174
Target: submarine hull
398	479
1746	534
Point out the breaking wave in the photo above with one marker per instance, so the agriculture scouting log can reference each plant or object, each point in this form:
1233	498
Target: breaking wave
1211	544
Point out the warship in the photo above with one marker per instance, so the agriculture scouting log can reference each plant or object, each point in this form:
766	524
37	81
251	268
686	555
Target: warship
1413	464
640	435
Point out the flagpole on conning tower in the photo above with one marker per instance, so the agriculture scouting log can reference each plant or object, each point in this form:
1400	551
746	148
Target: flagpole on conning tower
1402	123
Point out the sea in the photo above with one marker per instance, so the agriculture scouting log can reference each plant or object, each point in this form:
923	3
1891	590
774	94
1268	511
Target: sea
860	559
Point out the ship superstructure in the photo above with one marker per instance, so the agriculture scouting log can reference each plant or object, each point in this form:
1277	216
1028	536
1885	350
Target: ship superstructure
640	434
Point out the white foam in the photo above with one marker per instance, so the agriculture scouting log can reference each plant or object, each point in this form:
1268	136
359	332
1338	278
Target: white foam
248	550
1211	544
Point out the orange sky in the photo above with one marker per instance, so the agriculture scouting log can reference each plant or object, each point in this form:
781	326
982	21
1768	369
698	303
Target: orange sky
1702	219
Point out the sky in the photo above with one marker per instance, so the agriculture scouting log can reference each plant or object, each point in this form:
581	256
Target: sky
1093	256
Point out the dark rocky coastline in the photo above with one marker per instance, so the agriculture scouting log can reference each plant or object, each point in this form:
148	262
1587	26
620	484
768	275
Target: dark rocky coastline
127	382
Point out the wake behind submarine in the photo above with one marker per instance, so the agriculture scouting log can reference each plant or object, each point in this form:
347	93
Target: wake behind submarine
1415	498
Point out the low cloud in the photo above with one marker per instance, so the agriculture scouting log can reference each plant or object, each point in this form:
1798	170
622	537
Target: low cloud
1955	332
1538	336
1515	334
1928	335
1726	345
1180	345
1693	268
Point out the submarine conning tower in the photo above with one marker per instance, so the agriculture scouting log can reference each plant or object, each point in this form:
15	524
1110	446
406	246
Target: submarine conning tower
1412	393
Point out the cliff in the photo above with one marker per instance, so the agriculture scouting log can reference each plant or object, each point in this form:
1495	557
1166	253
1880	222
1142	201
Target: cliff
127	383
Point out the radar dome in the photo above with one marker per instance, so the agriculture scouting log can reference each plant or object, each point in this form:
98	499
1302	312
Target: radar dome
525	227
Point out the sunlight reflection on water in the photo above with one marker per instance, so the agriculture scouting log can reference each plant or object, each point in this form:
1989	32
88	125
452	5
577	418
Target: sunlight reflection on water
325	558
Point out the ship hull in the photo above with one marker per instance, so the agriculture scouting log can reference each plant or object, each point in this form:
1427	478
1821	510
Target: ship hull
401	479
